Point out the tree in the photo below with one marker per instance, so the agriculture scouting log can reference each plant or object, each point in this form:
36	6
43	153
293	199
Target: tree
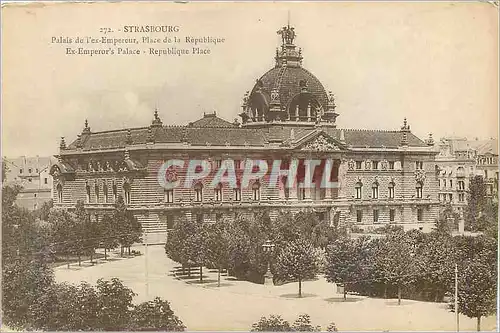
114	304
108	231
195	248
155	315
447	221
346	259
129	228
297	262
476	202
303	324
175	247
477	290
43	212
396	259
217	247
272	324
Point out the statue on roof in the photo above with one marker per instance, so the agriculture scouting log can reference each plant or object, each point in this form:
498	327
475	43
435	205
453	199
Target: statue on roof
287	34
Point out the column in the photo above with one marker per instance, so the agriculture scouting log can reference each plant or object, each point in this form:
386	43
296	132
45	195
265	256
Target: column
308	111
297	112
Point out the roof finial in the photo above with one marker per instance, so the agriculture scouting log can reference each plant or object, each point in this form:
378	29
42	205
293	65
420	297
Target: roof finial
86	129
156	121
62	145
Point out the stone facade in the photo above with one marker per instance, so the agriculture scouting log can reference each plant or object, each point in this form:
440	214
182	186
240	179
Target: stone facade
383	177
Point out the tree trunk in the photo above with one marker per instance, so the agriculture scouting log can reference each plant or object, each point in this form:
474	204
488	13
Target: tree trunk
399	294
79	259
189	270
385	291
218	277
92	257
121	250
300	287
345	291
105	254
183	269
201	273
129	250
67	259
479	323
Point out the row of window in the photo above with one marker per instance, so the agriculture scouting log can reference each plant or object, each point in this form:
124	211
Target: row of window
419	165
218	193
445	183
105	193
448	197
392	215
30	170
390	190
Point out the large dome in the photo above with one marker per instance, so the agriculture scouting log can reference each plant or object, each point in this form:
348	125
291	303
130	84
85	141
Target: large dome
287	80
288	93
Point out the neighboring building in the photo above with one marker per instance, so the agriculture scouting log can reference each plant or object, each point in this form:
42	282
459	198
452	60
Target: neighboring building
460	159
33	174
385	176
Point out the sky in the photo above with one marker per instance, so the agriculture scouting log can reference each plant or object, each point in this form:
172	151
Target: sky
434	63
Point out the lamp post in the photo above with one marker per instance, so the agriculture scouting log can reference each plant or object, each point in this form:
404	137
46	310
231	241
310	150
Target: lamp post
268	248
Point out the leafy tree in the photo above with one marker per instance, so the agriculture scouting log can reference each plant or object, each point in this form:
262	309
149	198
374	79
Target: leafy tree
477	290
108	231
435	264
43	212
476	202
332	328
195	248
5	169
114	304
155	315
297	262
175	246
217	247
129	228
303	324
82	237
24	288
346	260
448	220
396	260
272	324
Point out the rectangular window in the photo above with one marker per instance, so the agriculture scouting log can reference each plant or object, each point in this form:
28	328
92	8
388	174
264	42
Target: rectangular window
419	165
375	165
358	165
256	194
461	197
359	216
237	194
237	164
392	215
20	170
45	181
198	194
419	191
375	215
420	214
169	195
375	192
451	183
218	164
170	222
391	165
29	170
128	199
34	195
36	170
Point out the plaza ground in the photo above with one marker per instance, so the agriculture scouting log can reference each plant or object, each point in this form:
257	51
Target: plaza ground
236	305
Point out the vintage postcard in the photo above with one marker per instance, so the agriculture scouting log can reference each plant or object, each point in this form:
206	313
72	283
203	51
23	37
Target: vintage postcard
236	166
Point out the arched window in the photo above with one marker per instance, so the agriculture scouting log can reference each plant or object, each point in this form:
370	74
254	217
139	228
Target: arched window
126	192
59	193
105	192
115	192
256	191
87	190
391	190
218	192
359	188
375	190
198	192
419	190
303	107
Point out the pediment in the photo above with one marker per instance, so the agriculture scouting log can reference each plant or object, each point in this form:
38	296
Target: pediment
320	143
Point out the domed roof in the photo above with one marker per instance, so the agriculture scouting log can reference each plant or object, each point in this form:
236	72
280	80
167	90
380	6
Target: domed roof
287	80
288	93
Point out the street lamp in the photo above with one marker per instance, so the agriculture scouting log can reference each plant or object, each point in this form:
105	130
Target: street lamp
268	248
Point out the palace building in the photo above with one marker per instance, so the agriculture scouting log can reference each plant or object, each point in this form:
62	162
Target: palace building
384	176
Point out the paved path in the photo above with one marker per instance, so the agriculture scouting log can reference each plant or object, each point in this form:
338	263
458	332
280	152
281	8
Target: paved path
237	304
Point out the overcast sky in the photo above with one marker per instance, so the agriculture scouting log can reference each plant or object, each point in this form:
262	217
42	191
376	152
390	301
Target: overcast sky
434	63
